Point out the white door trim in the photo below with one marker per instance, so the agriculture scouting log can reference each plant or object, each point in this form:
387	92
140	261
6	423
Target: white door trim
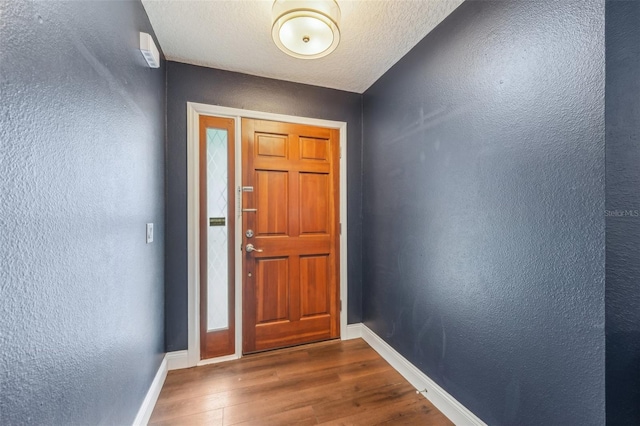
194	111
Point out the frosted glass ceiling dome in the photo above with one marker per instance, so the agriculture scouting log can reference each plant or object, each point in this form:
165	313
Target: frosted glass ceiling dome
306	29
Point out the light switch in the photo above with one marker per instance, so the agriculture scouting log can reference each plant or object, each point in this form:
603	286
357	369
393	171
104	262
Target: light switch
149	233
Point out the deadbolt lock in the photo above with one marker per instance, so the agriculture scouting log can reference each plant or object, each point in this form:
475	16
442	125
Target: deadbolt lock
249	233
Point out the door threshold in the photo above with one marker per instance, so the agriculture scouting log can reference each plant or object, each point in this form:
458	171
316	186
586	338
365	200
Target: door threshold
293	348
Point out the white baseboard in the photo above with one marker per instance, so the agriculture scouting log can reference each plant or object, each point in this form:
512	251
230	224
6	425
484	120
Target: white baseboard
354	331
149	403
455	411
177	360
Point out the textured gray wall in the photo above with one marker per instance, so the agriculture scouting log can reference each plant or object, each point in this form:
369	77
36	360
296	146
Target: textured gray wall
623	212
188	83
484	249
82	171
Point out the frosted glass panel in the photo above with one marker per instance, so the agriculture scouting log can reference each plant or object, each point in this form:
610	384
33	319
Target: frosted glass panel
217	249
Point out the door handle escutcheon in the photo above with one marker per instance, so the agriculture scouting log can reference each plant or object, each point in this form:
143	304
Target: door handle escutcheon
249	248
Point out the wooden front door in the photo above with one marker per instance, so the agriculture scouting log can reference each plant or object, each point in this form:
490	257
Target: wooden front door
290	216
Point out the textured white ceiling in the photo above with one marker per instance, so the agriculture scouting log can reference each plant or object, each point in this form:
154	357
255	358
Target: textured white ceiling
235	35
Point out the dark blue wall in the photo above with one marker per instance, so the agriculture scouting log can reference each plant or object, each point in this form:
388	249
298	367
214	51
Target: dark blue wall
189	83
623	212
82	171
484	249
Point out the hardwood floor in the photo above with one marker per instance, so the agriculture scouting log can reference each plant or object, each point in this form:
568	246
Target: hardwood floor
332	383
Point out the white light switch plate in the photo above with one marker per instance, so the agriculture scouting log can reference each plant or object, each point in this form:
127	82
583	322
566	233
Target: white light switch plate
149	233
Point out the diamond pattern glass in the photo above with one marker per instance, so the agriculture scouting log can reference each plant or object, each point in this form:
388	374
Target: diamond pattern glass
217	250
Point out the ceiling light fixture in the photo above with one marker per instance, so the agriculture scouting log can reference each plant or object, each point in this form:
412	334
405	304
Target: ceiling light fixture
306	29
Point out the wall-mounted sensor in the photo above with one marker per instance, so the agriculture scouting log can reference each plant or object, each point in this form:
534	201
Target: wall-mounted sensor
149	50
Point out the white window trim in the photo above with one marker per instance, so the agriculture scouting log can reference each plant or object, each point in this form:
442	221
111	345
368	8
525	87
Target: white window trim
194	111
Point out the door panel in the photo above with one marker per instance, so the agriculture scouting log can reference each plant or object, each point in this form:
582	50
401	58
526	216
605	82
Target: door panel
272	198
272	290
314	149
314	292
314	203
291	282
271	145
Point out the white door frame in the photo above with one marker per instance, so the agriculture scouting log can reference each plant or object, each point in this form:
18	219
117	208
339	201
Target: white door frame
194	111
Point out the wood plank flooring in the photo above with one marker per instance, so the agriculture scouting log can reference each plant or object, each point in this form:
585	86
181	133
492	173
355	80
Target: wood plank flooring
330	383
